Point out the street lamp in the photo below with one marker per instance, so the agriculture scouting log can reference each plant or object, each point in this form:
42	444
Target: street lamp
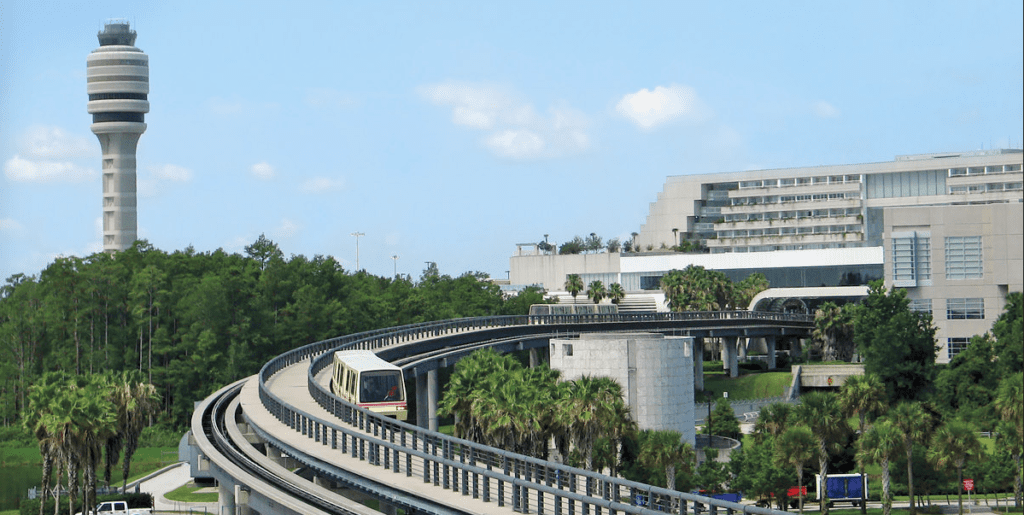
395	257
357	235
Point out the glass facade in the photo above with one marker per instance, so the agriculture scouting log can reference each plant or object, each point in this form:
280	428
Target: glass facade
906	184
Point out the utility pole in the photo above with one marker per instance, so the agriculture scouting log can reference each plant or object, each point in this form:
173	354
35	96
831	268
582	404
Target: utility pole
357	235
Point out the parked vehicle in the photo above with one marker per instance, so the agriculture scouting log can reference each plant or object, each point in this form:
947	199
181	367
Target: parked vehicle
118	508
842	488
793	494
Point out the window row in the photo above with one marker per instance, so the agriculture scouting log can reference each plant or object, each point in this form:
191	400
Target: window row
800	181
910	255
786	199
983	170
965	309
792	215
985	188
790	231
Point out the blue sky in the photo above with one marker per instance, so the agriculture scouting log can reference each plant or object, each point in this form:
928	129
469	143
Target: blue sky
450	131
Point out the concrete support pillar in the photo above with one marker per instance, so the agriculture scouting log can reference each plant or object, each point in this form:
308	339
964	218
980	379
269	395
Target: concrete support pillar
769	342
388	508
743	342
795	346
533	358
432	387
242	500
698	364
729	363
421	401
225	498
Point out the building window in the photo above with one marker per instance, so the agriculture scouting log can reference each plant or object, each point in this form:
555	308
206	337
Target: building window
963	257
965	309
911	259
567	349
921	305
955	346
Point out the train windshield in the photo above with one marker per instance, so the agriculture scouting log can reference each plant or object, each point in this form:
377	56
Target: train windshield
380	386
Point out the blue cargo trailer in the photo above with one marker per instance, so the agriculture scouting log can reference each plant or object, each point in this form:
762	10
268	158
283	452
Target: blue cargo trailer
842	488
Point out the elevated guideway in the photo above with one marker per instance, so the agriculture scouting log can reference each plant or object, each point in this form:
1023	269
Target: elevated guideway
288	415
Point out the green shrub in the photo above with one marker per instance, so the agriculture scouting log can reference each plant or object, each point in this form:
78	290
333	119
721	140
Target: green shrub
16	436
160	436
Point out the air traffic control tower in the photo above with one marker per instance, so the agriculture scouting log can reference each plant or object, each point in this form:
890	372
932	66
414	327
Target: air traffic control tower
118	85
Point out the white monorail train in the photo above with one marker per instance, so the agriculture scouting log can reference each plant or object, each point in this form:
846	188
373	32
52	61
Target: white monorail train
363	379
574	309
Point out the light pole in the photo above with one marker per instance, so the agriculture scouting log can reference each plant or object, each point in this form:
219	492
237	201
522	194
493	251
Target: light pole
395	258
357	235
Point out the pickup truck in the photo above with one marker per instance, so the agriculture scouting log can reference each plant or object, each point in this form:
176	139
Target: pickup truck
118	508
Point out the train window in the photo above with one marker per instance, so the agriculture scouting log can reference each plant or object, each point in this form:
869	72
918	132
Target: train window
380	386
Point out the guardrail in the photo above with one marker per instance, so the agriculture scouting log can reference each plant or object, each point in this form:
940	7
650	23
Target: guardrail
495	475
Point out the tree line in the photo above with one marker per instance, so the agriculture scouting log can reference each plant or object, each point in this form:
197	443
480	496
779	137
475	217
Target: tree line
191	321
911	414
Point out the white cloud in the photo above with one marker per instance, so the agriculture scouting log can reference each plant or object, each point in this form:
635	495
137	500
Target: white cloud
51	154
172	173
825	109
517	144
321	185
263	170
158	177
286	229
7	224
649	109
514	129
327	97
54	143
23	170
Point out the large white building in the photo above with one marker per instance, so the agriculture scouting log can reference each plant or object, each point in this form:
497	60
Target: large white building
947	227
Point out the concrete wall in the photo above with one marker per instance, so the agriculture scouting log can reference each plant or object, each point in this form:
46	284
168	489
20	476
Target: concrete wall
655	372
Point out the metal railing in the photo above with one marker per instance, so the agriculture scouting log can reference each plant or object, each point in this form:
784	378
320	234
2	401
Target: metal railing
491	474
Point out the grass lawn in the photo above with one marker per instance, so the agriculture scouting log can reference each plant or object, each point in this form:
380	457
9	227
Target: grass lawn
749	386
187	493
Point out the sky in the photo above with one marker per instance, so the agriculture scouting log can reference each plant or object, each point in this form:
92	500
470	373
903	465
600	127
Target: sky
448	132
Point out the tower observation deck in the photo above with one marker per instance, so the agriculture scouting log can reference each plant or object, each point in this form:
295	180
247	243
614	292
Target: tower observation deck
118	86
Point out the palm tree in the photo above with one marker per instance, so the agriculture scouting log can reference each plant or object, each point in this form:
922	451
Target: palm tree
953	444
586	410
1008	438
1009	404
616	293
573	285
833	329
40	398
822	413
914	424
796	446
665	450
772	421
144	401
880	444
596	291
861	396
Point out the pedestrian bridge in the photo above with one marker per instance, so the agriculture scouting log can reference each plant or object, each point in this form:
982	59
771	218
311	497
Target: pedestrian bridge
280	442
